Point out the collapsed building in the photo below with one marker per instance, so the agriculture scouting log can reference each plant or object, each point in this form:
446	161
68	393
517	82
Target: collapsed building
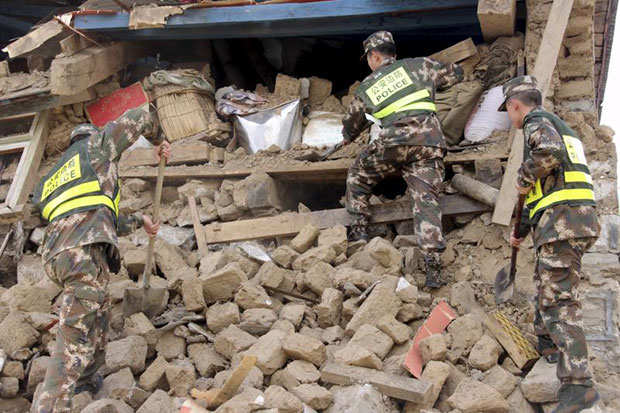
268	306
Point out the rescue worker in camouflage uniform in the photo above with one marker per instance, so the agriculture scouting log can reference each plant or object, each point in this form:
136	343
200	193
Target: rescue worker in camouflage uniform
560	210
399	95
80	198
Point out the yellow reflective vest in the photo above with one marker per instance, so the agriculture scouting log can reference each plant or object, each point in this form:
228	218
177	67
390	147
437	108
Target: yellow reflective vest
72	186
393	93
573	181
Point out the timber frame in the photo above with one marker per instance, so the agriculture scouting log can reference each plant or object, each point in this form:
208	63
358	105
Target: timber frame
31	145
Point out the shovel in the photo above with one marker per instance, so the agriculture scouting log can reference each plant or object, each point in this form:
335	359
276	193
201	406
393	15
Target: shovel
148	300
505	278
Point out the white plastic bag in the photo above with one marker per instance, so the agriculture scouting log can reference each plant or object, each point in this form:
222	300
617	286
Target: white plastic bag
485	118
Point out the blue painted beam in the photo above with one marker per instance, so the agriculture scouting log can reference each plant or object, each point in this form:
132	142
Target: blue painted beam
295	19
15	24
14	8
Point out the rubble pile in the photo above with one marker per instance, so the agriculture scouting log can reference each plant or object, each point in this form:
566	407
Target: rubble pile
363	304
297	308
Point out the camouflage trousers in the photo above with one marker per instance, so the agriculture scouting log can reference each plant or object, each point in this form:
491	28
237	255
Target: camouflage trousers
83	274
422	168
559	315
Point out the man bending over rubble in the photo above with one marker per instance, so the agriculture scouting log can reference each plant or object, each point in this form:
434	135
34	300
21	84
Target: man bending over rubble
80	198
560	208
398	96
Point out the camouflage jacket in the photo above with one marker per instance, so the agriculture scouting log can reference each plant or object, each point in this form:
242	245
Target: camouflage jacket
421	130
562	221
105	149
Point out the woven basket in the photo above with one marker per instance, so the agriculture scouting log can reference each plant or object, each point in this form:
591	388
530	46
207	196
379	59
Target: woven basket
182	111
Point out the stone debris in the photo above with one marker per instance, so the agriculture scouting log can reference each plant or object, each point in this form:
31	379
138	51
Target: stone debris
220	316
300	347
433	348
313	395
472	396
353	303
372	339
485	353
305	239
127	352
541	385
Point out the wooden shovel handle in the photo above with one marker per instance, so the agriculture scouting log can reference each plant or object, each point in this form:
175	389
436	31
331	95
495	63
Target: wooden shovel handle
515	233
158	190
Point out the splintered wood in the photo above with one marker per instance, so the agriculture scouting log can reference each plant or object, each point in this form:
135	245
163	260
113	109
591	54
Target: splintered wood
217	397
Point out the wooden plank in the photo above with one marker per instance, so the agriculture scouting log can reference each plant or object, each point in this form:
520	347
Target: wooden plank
34	39
323	170
73	74
180	155
287	224
40	100
29	162
12	215
522	354
546	61
198	228
399	387
456	53
195	154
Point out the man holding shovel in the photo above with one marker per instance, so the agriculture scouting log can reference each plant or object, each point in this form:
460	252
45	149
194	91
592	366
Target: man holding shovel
80	198
560	209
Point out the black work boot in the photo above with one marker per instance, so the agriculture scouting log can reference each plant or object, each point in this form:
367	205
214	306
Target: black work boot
546	347
359	229
433	273
575	398
91	383
91	380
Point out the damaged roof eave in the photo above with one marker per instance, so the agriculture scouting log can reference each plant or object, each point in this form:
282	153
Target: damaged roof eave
281	20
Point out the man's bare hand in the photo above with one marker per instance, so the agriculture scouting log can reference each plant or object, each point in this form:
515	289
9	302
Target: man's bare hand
163	149
150	227
522	190
515	242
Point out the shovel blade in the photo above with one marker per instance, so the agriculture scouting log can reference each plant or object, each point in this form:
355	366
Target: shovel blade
150	301
504	285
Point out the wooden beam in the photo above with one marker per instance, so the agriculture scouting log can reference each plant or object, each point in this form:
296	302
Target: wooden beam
180	155
34	39
194	154
38	101
321	170
291	224
25	175
399	387
73	74
335	17
457	52
475	189
12	215
546	61
73	44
